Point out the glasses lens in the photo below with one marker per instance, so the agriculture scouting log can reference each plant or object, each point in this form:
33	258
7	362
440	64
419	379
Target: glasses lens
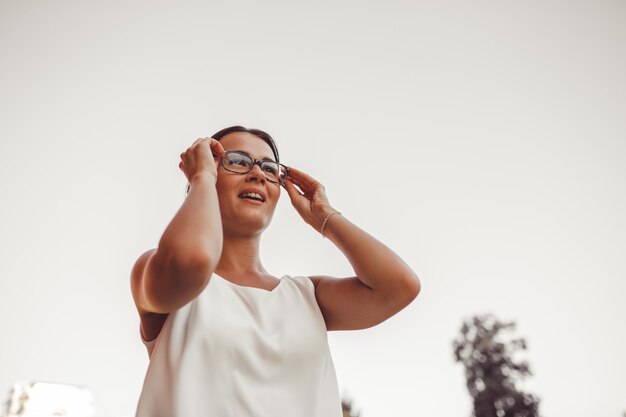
274	171
237	162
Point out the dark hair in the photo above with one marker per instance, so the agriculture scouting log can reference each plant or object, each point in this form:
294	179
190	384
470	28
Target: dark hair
256	132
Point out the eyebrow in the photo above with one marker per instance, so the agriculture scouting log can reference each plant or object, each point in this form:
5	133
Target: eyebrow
265	158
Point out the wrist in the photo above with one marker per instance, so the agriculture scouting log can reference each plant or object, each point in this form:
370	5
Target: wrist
324	226
204	176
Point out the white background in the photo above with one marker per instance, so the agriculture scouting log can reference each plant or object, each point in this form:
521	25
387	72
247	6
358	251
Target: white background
482	141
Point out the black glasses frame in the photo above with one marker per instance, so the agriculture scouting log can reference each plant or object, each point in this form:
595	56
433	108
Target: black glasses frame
258	162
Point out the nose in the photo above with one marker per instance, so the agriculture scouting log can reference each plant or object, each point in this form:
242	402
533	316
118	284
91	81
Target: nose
256	173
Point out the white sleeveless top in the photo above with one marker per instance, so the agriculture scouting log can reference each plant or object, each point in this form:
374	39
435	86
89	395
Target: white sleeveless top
237	351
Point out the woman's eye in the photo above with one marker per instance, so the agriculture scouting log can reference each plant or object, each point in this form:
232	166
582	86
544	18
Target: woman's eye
271	167
239	161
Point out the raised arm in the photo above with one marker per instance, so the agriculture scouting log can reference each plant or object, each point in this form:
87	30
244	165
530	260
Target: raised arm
384	284
168	277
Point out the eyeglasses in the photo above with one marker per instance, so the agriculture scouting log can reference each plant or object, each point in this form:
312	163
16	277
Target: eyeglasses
241	163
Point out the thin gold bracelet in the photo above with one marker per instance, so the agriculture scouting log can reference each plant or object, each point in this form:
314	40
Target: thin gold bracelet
325	220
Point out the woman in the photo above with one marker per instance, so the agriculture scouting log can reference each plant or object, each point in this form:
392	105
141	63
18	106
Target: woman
225	337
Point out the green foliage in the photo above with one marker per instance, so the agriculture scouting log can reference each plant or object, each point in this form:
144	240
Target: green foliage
490	368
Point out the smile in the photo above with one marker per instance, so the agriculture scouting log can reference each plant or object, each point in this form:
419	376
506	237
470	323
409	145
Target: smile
251	201
252	195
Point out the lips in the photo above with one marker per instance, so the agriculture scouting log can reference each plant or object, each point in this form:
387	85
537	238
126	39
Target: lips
255	191
249	200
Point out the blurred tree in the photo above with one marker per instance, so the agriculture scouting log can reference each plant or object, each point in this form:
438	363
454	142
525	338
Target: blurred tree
490	369
346	406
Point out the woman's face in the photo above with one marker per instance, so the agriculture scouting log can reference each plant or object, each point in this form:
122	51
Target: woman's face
241	216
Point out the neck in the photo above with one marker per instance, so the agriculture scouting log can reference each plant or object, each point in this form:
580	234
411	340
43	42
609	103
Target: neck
240	256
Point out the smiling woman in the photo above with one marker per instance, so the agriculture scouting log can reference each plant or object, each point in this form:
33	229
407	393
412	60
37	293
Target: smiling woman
227	338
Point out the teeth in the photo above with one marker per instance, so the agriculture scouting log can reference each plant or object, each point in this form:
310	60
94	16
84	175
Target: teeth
253	195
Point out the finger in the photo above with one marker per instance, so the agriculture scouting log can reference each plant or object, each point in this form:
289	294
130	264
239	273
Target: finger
301	188
303	182
296	179
291	191
217	147
305	189
308	183
301	176
289	183
197	140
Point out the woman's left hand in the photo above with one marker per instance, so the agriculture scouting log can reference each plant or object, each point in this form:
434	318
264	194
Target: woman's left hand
311	202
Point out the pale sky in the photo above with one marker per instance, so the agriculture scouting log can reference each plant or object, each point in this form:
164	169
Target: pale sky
484	142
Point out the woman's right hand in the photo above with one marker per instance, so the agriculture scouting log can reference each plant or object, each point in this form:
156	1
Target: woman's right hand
201	157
